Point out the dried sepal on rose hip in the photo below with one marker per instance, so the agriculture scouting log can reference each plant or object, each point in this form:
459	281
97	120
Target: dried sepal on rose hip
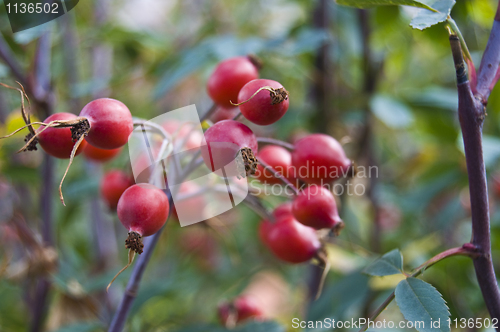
143	209
263	101
104	123
224	141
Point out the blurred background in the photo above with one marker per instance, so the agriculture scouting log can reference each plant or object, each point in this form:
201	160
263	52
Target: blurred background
363	76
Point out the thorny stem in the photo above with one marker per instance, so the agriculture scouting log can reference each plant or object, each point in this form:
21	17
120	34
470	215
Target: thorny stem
471	115
466	250
275	142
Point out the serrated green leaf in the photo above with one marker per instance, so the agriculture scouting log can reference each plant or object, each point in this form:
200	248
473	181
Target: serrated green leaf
425	19
390	263
422	304
373	3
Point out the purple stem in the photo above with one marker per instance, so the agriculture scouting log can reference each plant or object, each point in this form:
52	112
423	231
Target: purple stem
471	114
490	62
42	91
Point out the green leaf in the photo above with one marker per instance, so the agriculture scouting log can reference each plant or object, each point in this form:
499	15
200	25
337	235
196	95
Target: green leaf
425	19
392	112
372	3
390	263
422	304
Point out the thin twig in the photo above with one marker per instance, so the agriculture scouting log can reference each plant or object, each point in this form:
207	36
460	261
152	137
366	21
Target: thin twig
275	142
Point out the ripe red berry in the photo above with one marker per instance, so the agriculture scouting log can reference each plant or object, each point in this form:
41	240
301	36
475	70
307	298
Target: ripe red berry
228	78
224	113
110	123
315	207
100	155
113	184
281	211
279	159
143	210
224	139
58	142
319	159
289	240
243	308
265	107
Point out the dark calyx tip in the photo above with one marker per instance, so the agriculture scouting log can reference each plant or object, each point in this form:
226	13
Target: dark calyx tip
278	95
32	145
134	242
79	129
250	163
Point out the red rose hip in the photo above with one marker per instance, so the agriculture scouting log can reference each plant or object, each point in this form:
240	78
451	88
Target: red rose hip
224	139
58	142
279	159
228	78
319	159
113	184
315	207
110	123
143	209
289	240
266	106
100	155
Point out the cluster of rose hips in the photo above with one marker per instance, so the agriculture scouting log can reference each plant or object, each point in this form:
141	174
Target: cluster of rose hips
100	131
315	161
